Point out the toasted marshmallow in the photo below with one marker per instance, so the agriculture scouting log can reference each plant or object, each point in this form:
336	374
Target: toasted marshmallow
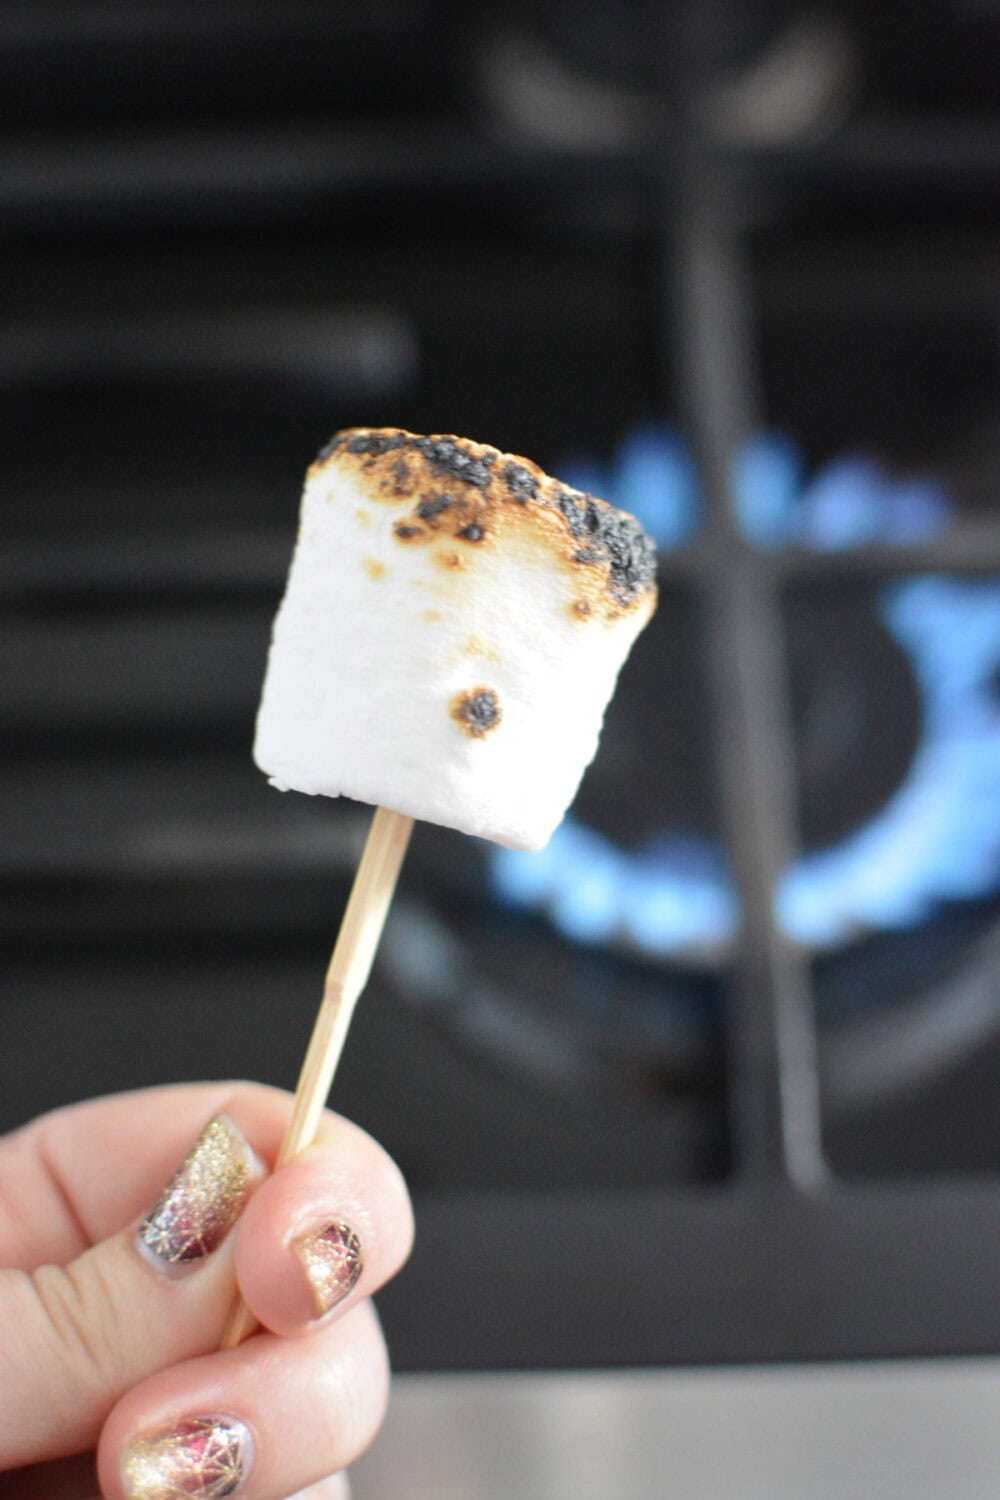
453	627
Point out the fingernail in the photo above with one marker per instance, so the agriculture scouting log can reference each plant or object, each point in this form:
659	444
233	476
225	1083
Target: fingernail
203	1200
204	1458
333	1263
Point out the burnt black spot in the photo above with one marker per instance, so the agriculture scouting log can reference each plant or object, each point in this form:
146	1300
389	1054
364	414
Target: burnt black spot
401	475
433	506
376	443
610	536
570	505
330	448
405	532
446	457
631	554
520	481
472	532
478	711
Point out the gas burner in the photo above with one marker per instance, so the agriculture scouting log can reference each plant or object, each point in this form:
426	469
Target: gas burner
937	838
930	829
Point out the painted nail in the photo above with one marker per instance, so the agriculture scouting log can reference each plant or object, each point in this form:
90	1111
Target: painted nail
333	1263
204	1458
202	1201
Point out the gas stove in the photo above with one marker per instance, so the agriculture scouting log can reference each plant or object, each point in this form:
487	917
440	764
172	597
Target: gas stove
714	1077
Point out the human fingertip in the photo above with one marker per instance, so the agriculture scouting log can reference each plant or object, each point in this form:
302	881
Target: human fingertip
336	1487
324	1232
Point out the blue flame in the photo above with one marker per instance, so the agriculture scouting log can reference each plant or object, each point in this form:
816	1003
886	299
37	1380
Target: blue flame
765	485
936	839
850	501
671	894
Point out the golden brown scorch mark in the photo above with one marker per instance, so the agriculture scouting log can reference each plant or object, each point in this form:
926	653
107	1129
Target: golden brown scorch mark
476	711
476	646
460	496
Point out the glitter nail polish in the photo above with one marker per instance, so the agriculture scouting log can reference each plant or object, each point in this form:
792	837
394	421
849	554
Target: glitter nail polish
203	1200
333	1263
204	1458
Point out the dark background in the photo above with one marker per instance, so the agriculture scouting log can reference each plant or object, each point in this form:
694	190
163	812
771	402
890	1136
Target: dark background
229	230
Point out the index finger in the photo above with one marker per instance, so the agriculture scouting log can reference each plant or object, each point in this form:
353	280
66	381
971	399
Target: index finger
78	1175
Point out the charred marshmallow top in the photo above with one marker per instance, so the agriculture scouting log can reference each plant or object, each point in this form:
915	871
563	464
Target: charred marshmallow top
453	627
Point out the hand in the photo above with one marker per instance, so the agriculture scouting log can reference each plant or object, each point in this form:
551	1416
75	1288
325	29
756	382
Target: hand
116	1290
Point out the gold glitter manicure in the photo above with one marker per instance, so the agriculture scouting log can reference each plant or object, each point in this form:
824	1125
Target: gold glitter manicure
205	1458
333	1263
202	1202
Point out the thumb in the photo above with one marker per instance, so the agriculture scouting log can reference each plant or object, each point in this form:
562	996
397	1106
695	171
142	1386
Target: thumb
76	1337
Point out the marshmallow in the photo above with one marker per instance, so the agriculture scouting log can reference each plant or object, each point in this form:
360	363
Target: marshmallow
453	627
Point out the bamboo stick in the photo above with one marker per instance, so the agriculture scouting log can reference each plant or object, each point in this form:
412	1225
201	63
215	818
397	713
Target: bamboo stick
353	955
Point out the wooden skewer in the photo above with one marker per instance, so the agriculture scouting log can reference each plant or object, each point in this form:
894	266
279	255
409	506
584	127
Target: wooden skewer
353	955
